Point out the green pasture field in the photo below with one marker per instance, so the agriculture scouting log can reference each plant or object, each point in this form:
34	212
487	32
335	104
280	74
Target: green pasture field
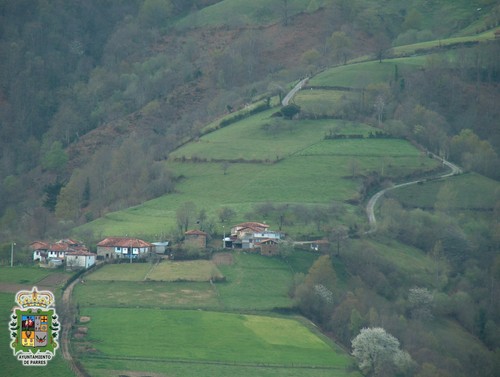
198	270
322	102
120	368
411	49
300	260
241	12
249	141
9	365
204	336
255	283
411	260
371	147
472	192
147	294
292	180
360	75
121	272
215	125
23	275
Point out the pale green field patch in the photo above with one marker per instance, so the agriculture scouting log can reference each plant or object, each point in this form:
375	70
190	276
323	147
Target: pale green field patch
279	330
181	295
121	272
199	270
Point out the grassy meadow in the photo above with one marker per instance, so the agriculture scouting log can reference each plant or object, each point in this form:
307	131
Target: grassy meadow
470	191
255	283
241	12
120	367
413	48
158	295
23	274
323	102
204	336
166	270
360	75
291	180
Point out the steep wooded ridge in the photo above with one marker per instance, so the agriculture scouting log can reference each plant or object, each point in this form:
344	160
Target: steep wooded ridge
149	103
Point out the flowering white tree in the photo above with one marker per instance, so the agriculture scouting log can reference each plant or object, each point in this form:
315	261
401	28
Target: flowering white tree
377	353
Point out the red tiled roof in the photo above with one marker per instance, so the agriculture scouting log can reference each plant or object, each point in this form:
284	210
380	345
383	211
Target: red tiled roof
251	224
123	242
195	232
39	245
59	246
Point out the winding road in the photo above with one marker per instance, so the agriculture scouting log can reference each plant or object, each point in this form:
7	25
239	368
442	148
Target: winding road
294	91
370	207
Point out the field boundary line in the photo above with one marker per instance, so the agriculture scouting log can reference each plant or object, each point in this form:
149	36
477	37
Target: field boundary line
216	362
153	267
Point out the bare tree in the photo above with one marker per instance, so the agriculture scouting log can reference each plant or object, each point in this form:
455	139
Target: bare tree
184	215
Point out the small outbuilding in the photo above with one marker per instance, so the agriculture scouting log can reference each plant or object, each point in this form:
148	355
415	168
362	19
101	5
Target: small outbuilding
196	239
268	247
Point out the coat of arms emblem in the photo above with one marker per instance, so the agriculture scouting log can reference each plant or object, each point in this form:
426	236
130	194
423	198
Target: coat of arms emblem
34	327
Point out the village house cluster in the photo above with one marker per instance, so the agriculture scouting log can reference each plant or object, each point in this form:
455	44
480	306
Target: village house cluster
249	236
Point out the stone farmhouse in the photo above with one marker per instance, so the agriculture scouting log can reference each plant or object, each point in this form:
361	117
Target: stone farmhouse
123	247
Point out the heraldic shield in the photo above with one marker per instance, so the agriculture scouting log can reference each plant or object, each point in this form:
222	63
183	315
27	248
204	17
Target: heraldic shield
34	327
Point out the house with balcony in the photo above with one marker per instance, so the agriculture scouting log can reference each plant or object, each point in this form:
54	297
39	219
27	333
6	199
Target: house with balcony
123	247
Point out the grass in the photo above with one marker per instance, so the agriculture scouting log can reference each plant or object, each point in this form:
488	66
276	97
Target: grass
199	270
362	148
22	274
122	272
255	283
9	365
472	191
411	49
146	295
411	260
301	261
360	75
230	144
240	12
322	102
209	336
119	368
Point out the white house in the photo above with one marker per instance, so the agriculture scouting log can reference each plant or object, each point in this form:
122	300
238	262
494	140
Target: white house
47	251
123	247
80	259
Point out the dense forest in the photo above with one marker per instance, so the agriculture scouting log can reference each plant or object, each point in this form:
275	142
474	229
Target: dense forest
95	95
